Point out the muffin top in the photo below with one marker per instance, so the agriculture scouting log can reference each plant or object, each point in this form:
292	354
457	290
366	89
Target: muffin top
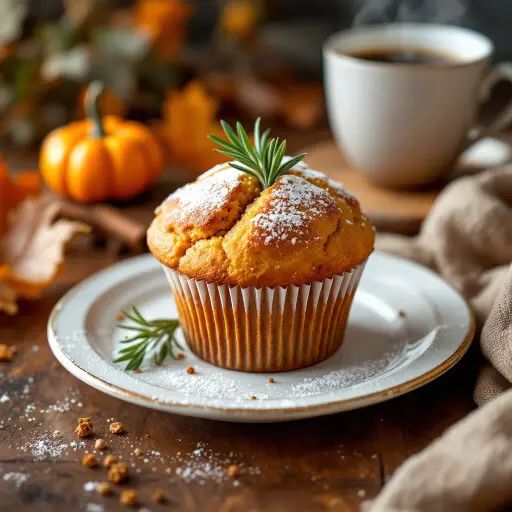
225	228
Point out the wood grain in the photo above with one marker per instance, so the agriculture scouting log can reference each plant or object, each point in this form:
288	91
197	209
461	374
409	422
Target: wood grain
325	464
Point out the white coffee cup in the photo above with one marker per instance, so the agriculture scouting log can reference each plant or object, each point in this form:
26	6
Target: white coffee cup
404	124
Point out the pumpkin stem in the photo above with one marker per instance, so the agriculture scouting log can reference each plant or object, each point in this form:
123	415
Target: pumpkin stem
92	108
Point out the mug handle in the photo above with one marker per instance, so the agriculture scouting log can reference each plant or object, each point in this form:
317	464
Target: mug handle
502	71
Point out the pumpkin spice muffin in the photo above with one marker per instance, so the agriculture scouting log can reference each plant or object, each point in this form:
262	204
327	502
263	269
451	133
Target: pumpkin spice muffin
263	267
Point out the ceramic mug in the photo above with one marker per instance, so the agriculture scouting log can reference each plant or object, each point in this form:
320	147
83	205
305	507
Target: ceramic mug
404	124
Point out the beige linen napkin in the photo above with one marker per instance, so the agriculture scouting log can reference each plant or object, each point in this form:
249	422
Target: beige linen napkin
467	238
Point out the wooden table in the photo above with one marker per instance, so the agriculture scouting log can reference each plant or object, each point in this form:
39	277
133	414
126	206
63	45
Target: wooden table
332	463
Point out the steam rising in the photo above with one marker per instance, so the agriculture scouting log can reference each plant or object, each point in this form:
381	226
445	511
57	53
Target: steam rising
433	11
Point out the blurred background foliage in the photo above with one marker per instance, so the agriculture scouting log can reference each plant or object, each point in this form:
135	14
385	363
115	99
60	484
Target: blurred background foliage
175	64
180	64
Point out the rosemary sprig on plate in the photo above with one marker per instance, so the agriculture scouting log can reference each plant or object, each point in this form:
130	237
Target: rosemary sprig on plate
150	337
263	161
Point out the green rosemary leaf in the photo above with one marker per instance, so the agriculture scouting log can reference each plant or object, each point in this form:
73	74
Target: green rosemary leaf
263	160
155	337
230	133
257	139
131	348
161	354
288	165
244	169
242	135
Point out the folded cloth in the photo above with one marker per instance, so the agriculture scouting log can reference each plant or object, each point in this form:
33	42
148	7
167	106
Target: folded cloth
467	238
468	469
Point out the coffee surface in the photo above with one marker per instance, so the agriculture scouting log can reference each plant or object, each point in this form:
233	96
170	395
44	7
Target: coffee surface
403	56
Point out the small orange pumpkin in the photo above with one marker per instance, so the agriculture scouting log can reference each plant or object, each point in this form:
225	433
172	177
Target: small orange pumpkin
100	159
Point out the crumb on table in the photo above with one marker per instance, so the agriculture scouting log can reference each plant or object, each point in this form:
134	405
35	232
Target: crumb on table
6	352
84	427
129	498
233	470
109	460
104	488
116	428
190	370
271	380
159	496
118	472
99	444
90	460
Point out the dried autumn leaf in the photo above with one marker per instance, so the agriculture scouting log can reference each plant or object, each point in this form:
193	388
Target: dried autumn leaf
164	22
189	116
239	17
13	191
32	251
7	294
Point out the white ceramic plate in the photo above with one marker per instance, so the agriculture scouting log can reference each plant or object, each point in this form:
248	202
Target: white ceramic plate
384	354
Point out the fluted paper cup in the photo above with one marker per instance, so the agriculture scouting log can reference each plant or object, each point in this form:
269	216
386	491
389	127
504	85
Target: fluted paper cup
267	329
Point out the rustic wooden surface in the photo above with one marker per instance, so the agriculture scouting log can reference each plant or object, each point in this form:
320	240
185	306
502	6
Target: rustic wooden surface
332	463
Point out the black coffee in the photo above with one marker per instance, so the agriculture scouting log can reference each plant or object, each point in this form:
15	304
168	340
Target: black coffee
403	56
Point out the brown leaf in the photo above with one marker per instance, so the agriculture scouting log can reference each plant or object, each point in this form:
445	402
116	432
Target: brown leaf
13	191
32	251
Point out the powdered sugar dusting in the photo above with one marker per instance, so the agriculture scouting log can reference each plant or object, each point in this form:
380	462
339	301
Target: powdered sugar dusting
204	465
295	203
339	379
196	201
17	478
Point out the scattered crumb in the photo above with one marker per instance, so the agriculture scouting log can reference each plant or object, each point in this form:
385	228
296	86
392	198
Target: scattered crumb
402	313
271	380
104	488
118	472
159	496
109	460
138	370
181	356
116	428
234	471
253	397
119	317
4	398
361	493
129	498
99	444
6	352
84	427
90	460
190	370
138	452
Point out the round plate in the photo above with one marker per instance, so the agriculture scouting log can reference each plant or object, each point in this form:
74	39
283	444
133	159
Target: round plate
406	327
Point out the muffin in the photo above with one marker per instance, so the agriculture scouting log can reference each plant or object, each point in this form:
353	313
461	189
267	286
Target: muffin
263	278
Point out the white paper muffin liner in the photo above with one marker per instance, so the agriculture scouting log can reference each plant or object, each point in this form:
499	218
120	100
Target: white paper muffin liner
267	329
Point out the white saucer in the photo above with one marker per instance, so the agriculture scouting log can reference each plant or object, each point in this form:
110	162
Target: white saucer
384	353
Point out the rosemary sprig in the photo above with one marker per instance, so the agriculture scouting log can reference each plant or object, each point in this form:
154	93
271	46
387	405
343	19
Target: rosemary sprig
151	337
264	161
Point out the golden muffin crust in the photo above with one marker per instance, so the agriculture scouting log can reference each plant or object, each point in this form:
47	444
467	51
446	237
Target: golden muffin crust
223	228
